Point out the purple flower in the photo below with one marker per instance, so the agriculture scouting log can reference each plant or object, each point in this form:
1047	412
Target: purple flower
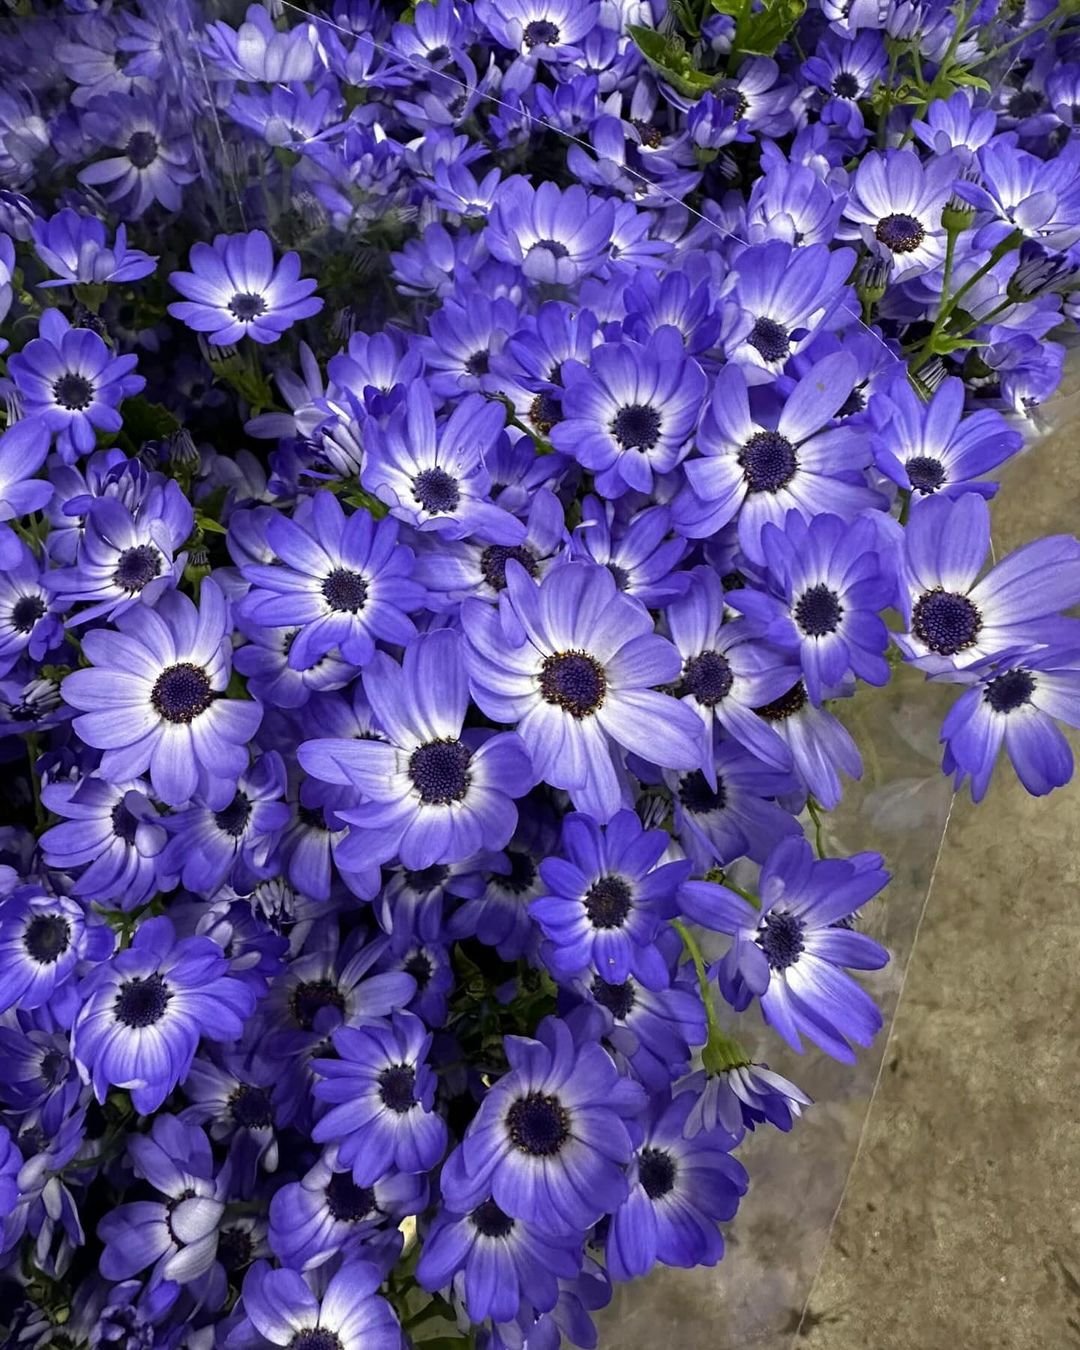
555	237
742	1098
153	699
257	52
540	30
280	1307
70	379
73	248
23	449
895	206
154	163
43	938
235	290
28	622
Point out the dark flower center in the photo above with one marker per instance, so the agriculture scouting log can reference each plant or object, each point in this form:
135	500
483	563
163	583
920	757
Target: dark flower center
845	85
233	819
1010	691
787	705
182	692
53	1069
698	797
650	134
522	872
489	1220
545	411
428	878
419	967
945	621
607	902
768	461
900	232
770	339
708	678
251	1107
310	997
137	566
346	1201
345	591
541	32
781	939
246	305
124	822
26	611
440	771
397	1087
656	1172
315	1338
142	149
141	1001
854	403
479	363
234	1249
621	575
313	818
636	426
1025	103
553	246
494	558
925	474
538	1125
436	491
818	612
618	999
573	681
47	938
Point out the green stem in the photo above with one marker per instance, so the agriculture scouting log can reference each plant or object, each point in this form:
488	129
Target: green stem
940	83
950	303
1056	13
35	783
814	812
721	1051
905	506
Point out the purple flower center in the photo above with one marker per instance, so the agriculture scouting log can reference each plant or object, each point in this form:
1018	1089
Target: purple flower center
781	939
489	1220
636	426
607	902
397	1087
770	339
26	611
309	999
251	1107
440	771
818	611
246	305
900	232
232	819
345	591
234	1249
53	1069
708	678
768	461
479	363
436	491
522	873
698	797
545	411
538	1125
142	149
427	878
787	705
540	33
621	575
418	965
1010	691
573	681
124	822
618	999
925	474
656	1172
315	1338
182	692
438	53
346	1201
494	558
46	938
137	566
141	1002
945	621
845	85
73	392
553	247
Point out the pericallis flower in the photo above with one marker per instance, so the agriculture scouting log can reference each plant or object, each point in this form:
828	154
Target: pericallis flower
28	618
821	746
43	938
154	163
381	1096
538	29
631	412
279	1306
554	236
257	52
236	290
70	379
73	247
605	901
23	450
341	581
790	952
153	699
680	1188
144	1010
895	204
572	663
954	619
430	792
741	1097
550	1142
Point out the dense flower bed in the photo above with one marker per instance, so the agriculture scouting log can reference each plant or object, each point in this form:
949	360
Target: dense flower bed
458	461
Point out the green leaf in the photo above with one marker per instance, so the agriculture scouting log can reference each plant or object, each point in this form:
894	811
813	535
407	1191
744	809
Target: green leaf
146	421
669	58
966	77
764	31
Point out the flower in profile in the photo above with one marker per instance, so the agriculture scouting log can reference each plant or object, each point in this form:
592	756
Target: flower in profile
605	901
895	205
821	746
73	247
70	379
554	236
681	1187
183	989
153	698
430	792
790	952
236	290
550	1142
742	1097
342	581
280	1306
23	450
259	53
572	663
381	1095
42	940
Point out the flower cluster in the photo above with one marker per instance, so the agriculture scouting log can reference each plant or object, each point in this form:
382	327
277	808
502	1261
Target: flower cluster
455	470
